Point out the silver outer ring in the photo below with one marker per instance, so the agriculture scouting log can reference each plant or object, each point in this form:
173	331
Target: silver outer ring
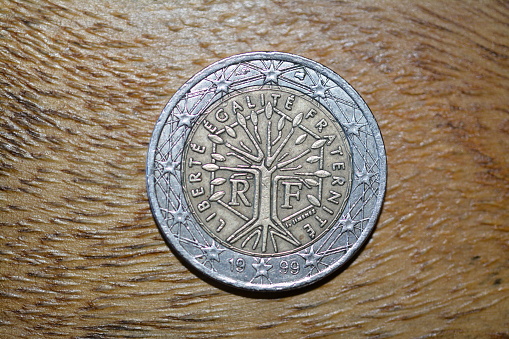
358	218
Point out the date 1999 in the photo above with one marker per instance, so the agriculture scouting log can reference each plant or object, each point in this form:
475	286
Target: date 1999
285	267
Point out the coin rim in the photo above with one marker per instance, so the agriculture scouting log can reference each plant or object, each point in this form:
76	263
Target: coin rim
345	86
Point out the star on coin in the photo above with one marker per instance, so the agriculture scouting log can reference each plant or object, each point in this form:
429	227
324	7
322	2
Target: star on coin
184	119
312	259
179	216
222	84
348	224
262	269
170	166
210	254
271	74
319	90
353	127
365	176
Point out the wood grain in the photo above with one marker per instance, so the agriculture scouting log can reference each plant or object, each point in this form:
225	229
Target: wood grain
82	84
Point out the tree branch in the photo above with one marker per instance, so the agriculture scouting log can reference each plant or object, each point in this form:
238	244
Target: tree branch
242	122
289	161
239	169
270	159
247	155
279	135
269	133
240	157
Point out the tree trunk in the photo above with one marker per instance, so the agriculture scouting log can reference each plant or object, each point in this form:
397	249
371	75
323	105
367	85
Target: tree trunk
264	216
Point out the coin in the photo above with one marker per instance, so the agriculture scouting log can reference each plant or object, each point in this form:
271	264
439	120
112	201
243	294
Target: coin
266	171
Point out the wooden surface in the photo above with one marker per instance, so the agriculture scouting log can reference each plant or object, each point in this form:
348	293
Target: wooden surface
82	84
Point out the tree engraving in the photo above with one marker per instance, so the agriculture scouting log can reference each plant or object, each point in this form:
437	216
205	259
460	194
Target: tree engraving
264	162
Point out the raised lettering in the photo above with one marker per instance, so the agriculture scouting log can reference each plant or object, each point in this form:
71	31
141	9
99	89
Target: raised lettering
222	223
275	96
331	138
321	221
236	192
193	162
197	192
203	206
294	267
328	210
248	102
238	265
289	102
338	166
198	148
221	115
236	107
311	113
262	99
310	230
340	181
337	151
195	177
320	125
334	196
209	126
289	194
